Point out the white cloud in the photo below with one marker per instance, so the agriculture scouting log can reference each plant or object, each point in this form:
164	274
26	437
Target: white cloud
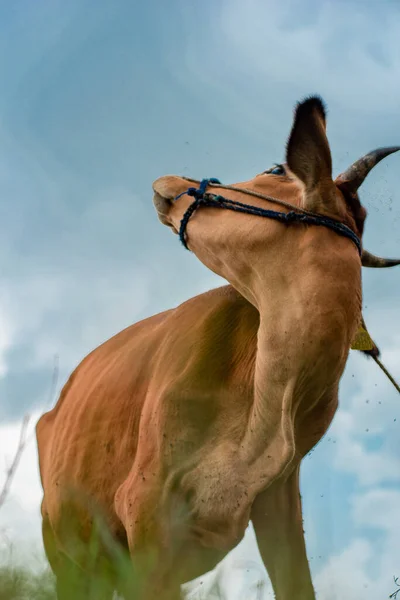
275	44
346	575
365	569
5	339
352	456
378	508
26	482
249	62
83	290
20	514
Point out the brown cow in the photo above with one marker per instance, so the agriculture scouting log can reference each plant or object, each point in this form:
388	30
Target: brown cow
182	428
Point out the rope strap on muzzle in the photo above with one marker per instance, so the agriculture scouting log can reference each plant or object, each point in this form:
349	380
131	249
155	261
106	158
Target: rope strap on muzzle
201	198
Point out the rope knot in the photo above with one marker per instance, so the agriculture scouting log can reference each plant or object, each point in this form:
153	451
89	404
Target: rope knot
195	192
291	216
199	192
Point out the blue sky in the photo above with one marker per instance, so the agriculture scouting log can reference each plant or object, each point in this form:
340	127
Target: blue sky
97	101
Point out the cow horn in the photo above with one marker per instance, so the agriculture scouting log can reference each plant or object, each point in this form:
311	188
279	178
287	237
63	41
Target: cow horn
376	262
353	177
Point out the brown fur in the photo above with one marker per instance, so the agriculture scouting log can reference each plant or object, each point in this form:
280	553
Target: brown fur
185	426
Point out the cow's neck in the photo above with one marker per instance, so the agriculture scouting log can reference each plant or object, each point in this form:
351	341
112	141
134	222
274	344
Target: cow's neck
275	379
304	331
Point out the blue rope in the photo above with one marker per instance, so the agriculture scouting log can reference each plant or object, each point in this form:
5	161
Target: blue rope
201	198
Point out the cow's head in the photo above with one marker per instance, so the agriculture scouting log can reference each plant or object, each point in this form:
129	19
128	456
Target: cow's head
229	242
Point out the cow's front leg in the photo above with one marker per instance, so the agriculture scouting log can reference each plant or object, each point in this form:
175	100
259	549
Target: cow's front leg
277	520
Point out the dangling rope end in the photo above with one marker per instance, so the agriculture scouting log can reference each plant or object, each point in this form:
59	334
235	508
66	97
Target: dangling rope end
388	375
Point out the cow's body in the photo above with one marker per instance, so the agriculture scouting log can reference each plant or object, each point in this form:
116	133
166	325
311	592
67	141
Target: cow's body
183	427
163	410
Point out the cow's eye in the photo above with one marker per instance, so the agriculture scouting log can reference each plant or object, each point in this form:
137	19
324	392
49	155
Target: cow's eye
276	170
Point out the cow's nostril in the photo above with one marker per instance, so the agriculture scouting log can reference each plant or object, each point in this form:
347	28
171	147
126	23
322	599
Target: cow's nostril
162	206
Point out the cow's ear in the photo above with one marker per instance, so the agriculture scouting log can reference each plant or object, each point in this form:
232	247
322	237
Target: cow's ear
308	155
